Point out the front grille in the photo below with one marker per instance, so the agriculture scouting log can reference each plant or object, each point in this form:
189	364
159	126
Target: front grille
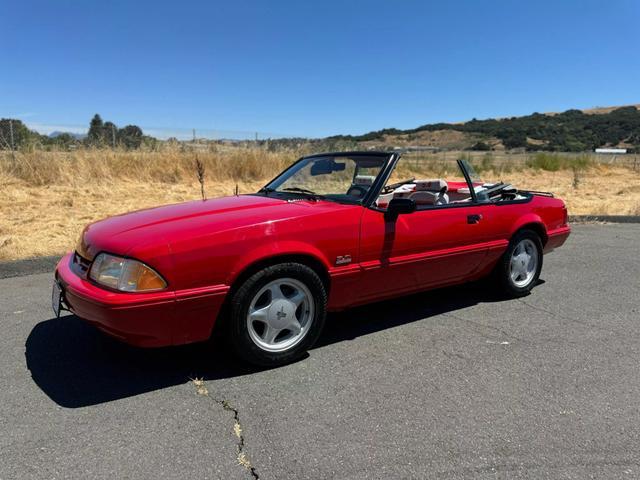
80	265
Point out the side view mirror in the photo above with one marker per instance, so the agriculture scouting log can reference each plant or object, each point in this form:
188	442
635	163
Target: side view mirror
398	206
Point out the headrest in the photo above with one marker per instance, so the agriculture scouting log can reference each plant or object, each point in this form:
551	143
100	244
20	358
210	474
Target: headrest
431	185
364	179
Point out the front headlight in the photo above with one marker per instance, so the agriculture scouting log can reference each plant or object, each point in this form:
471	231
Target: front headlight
125	274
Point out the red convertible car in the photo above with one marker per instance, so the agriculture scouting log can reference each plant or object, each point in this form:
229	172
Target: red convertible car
332	231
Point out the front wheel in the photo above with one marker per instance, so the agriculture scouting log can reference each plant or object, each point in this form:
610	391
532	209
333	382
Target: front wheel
519	268
277	314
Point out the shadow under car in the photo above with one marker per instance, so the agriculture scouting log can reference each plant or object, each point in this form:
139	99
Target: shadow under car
76	365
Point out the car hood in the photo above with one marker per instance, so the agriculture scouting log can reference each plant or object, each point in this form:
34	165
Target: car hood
121	233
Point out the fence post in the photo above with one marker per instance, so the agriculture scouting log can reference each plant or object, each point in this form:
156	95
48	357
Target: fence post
13	147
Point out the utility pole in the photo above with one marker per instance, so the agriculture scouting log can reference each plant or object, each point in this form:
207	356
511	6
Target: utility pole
194	135
13	148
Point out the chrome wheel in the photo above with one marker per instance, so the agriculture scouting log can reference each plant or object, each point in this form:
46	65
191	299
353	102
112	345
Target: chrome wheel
524	263
280	314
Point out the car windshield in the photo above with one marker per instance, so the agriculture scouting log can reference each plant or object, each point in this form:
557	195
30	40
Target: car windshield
343	178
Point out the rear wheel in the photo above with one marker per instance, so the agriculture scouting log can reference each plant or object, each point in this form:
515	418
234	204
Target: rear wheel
277	314
519	268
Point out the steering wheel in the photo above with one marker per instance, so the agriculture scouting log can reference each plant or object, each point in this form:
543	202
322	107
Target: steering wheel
356	191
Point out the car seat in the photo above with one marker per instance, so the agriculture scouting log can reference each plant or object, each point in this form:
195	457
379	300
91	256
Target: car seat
430	192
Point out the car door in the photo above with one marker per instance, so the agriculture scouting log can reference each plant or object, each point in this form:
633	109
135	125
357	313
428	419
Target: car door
430	247
423	249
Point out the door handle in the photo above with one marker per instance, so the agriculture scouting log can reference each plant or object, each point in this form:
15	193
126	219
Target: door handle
473	219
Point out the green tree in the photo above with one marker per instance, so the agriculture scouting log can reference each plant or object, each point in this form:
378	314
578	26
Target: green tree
110	134
514	139
96	131
481	146
130	136
64	140
15	134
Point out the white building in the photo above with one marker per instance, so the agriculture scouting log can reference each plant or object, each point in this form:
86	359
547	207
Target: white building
612	150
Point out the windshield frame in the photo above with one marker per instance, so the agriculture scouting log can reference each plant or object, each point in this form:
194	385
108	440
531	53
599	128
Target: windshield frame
465	166
389	159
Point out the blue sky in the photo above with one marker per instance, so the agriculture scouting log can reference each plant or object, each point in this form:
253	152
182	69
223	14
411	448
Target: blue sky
312	68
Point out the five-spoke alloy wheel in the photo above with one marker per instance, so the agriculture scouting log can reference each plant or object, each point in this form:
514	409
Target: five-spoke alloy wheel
524	262
280	314
519	269
277	314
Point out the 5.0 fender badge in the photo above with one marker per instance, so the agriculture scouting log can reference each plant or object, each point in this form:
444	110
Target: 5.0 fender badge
343	259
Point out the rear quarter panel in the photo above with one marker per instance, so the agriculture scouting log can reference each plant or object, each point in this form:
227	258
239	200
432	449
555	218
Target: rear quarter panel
545	212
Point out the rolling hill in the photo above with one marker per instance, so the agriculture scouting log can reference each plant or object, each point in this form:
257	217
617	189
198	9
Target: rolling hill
572	130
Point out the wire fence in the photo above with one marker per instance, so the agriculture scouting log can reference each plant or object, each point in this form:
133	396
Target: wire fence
203	138
166	133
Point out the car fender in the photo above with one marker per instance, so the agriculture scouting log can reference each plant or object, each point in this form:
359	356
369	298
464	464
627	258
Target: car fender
274	250
529	219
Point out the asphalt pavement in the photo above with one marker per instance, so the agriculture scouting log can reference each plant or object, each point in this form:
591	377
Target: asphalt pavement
455	383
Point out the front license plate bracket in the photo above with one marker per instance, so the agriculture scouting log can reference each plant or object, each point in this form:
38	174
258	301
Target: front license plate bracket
57	299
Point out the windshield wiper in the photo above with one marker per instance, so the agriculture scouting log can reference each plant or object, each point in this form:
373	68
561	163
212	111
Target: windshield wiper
309	193
304	191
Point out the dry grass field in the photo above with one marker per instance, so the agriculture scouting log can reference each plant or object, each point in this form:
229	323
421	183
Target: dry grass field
46	198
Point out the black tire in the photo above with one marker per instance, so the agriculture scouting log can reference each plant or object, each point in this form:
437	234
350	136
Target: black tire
241	342
502	272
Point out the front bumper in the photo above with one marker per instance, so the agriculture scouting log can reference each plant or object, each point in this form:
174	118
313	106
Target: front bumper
142	319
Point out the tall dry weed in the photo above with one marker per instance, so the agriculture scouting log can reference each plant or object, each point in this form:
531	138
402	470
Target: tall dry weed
168	165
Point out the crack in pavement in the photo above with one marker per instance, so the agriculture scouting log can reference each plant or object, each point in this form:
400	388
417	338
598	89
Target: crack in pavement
507	334
242	457
573	320
488	327
454	355
539	309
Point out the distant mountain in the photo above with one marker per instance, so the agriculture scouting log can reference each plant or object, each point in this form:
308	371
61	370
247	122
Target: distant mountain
601	110
77	136
573	130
